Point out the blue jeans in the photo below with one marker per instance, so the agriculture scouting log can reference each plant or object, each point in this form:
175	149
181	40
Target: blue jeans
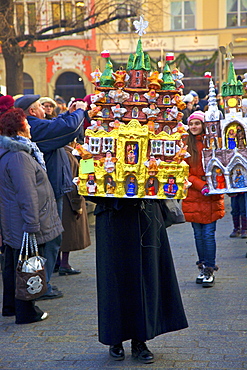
205	242
52	247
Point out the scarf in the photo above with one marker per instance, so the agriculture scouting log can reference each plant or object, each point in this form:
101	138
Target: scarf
35	152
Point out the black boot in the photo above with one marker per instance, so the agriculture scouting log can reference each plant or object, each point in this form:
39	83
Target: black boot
117	352
141	352
236	224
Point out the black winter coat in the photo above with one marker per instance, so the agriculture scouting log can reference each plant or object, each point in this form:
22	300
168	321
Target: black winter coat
138	293
27	201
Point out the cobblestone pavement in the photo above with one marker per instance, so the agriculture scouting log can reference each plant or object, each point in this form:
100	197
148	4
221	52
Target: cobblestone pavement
216	337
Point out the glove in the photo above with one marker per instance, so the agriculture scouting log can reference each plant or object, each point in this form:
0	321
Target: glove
205	190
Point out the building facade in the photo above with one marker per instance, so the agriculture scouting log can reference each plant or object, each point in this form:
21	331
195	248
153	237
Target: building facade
194	30
60	66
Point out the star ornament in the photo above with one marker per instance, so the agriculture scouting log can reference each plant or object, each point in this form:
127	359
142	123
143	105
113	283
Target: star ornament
140	26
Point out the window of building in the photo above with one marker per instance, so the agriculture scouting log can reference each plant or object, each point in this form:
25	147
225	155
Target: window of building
105	112
167	129
167	100
70	11
31	14
136	97
156	147
56	14
169	148
236	13
25	17
135	112
108	144
80	14
126	25
20	25
28	15
94	145
182	15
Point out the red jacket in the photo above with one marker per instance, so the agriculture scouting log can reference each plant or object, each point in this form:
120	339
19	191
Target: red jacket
197	207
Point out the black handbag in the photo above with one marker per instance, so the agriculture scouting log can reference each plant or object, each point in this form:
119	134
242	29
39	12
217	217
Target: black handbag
30	272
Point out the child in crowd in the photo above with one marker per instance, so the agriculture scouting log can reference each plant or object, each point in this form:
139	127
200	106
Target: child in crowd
199	208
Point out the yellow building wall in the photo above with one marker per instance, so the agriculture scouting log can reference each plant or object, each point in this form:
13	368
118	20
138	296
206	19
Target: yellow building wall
209	14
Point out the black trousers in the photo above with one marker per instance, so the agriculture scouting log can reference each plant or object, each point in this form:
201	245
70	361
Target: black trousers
24	311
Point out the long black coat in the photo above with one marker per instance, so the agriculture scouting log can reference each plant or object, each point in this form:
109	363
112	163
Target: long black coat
138	294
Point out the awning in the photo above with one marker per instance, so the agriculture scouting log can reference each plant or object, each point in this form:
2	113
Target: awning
240	61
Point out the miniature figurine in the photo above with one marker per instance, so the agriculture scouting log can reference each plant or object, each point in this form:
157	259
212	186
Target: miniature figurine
83	153
115	124
231	139
96	125
240	138
109	162
131	187
120	77
131	157
110	185
119	96
239	179
182	129
186	185
151	96
220	179
151	126
170	188
96	77
132	152
98	97
153	165
181	152
152	111
155	81
118	112
91	184
179	117
94	111
150	187
172	113
179	102
177	76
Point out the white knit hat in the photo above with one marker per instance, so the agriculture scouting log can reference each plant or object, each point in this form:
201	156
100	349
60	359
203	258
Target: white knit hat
188	98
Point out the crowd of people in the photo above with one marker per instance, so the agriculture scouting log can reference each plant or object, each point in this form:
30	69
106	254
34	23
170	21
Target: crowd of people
137	288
